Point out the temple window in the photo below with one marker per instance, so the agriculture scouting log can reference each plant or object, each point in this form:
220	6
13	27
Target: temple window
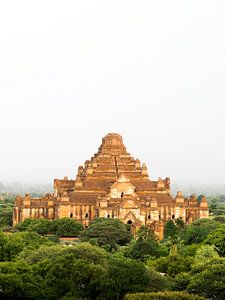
86	215
149	217
129	222
71	215
173	216
122	194
108	216
159	217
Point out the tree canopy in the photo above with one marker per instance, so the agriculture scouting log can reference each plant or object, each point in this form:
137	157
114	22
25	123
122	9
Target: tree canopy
61	227
107	232
107	263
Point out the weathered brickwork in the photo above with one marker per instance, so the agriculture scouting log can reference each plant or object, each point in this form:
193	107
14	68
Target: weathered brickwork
112	184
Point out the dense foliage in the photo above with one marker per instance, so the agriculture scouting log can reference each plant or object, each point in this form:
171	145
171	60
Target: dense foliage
217	205
163	296
6	210
60	227
106	262
107	232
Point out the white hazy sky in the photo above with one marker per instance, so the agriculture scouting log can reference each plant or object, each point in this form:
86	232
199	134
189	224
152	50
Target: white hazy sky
72	71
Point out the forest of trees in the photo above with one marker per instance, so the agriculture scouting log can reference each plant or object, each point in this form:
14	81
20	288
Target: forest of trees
106	262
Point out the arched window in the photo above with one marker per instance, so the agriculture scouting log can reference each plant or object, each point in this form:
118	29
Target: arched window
129	222
122	194
86	215
108	216
71	215
159	217
173	216
149	217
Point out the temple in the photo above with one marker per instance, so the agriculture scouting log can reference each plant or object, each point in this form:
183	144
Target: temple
113	184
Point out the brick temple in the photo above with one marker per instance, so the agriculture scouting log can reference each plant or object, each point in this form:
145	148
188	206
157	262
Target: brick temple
113	184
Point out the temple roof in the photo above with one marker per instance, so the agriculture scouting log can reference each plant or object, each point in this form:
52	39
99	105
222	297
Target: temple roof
112	144
111	161
111	165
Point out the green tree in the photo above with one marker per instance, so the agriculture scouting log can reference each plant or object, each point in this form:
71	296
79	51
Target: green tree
19	281
22	226
85	251
77	270
205	254
172	232
171	229
188	250
217	238
208	279
107	232
66	227
145	246
6	216
219	219
40	226
171	264
197	231
70	275
12	244
124	275
3	240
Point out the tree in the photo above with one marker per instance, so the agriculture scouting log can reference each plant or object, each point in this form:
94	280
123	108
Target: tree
70	275
19	281
205	254
124	275
12	244
219	219
6	216
208	279
85	251
188	250
217	238
22	226
197	231
172	231
78	270
171	264
107	232
41	226
146	245
3	240
6	210
66	227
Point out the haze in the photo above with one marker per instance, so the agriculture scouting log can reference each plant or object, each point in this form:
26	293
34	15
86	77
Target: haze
73	71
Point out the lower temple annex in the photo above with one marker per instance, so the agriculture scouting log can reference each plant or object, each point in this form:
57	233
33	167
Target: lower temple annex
113	184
